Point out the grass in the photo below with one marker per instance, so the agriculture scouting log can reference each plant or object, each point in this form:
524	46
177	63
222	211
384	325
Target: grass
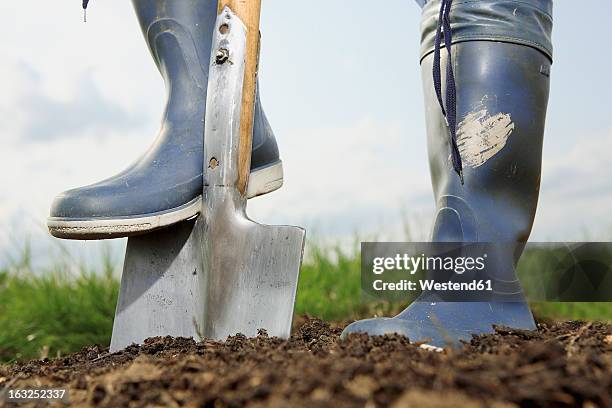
51	312
45	313
573	310
330	286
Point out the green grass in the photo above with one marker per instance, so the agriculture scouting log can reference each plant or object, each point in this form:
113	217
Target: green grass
59	310
330	286
573	310
52	312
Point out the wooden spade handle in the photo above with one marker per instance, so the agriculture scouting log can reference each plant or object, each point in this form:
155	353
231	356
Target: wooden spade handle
249	12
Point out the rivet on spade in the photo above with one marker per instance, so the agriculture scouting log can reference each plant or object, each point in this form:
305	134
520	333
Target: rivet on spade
213	163
222	56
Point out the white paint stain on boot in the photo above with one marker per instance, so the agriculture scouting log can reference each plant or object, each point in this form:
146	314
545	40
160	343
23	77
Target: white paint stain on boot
481	136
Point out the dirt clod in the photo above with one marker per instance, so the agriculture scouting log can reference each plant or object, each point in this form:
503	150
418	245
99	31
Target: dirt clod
563	364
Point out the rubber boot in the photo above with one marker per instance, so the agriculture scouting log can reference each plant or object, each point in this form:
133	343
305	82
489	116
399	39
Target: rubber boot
502	91
164	186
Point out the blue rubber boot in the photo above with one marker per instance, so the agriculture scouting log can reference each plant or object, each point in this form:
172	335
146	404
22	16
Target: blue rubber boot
502	93
164	186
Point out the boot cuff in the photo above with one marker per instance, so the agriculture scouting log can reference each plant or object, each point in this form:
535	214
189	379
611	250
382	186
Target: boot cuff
527	22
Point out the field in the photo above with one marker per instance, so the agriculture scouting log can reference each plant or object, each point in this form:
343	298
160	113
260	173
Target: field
560	365
54	313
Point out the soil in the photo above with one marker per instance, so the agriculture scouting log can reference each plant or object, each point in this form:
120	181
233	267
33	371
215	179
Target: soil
560	364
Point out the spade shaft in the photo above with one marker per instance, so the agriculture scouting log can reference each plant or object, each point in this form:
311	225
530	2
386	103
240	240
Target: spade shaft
248	13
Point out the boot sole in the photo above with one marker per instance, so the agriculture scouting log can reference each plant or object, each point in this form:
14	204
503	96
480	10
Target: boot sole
261	181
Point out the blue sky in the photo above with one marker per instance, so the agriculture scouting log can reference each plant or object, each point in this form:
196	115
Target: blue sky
340	82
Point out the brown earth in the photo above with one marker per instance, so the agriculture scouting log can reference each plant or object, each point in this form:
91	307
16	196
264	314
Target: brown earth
561	364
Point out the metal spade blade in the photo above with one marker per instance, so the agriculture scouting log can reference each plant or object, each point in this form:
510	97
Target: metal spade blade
251	270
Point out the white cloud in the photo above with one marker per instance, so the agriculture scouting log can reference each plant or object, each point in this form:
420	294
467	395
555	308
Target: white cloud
346	179
343	176
576	193
339	180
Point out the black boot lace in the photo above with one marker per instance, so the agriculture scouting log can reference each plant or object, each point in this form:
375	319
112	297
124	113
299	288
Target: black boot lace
85	3
450	111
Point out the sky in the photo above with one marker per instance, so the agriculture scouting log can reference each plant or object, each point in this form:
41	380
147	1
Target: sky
341	85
